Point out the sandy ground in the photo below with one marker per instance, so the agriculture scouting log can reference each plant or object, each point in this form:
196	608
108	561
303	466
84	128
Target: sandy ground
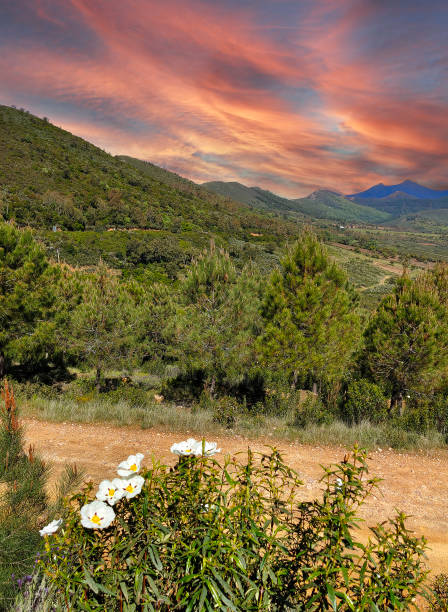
415	483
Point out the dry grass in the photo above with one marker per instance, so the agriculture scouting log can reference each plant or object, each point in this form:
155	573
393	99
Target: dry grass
175	417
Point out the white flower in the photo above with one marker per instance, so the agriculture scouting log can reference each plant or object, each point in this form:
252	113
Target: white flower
132	486
131	466
206	448
110	491
185	448
339	484
50	528
96	515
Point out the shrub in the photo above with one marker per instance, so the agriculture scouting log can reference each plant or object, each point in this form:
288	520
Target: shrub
234	536
225	411
438	601
23	502
364	401
312	411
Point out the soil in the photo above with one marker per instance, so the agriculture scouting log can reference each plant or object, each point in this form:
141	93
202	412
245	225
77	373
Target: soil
415	483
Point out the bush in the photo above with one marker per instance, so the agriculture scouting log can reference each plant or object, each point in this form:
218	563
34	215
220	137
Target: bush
364	401
206	536
439	597
23	504
312	411
225	411
423	414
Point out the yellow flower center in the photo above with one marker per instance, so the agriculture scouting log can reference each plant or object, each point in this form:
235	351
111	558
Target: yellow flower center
111	492
133	467
129	488
96	519
188	450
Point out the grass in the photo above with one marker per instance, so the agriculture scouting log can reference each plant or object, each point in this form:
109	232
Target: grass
179	418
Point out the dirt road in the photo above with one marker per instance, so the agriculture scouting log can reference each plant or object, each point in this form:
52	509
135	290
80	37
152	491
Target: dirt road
415	483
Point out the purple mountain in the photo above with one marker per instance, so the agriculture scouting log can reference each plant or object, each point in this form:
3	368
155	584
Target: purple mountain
406	187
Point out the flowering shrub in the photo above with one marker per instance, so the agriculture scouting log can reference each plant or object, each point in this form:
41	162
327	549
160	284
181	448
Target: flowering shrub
234	535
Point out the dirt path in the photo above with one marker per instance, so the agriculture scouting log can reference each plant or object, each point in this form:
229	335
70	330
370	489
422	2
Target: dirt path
415	483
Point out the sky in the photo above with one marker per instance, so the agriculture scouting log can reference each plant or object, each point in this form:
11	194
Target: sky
289	95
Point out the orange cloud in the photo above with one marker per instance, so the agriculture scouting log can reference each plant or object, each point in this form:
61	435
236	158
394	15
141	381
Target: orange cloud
206	91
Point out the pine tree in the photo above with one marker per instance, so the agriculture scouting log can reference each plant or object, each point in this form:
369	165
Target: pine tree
406	340
27	300
309	309
216	323
103	326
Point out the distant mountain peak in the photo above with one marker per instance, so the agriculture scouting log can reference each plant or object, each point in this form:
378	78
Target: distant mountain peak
322	192
406	188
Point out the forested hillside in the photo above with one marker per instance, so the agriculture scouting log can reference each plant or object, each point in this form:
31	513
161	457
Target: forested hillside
48	176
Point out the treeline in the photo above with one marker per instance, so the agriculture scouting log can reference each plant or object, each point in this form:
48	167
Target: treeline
233	338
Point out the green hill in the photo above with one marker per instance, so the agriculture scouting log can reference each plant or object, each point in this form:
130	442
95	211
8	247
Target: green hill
49	177
423	221
321	204
400	204
325	204
252	196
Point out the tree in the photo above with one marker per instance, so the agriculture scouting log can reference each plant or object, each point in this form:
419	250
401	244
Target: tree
27	300
215	325
406	340
309	309
103	326
156	307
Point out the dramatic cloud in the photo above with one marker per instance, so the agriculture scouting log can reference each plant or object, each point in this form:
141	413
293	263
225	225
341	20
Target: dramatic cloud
287	94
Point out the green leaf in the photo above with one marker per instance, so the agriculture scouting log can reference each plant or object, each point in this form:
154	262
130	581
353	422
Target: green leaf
202	598
332	596
124	590
90	582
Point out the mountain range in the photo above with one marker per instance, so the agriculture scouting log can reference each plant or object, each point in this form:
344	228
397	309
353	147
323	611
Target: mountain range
379	204
51	178
406	188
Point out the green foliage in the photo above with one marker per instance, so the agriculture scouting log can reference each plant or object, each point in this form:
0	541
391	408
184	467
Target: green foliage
103	326
23	504
235	536
215	324
309	310
406	340
36	596
328	205
362	273
312	411
439	597
364	401
22	479
50	178
226	411
252	196
27	302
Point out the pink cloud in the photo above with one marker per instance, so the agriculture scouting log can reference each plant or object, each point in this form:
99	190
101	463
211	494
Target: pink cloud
214	96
